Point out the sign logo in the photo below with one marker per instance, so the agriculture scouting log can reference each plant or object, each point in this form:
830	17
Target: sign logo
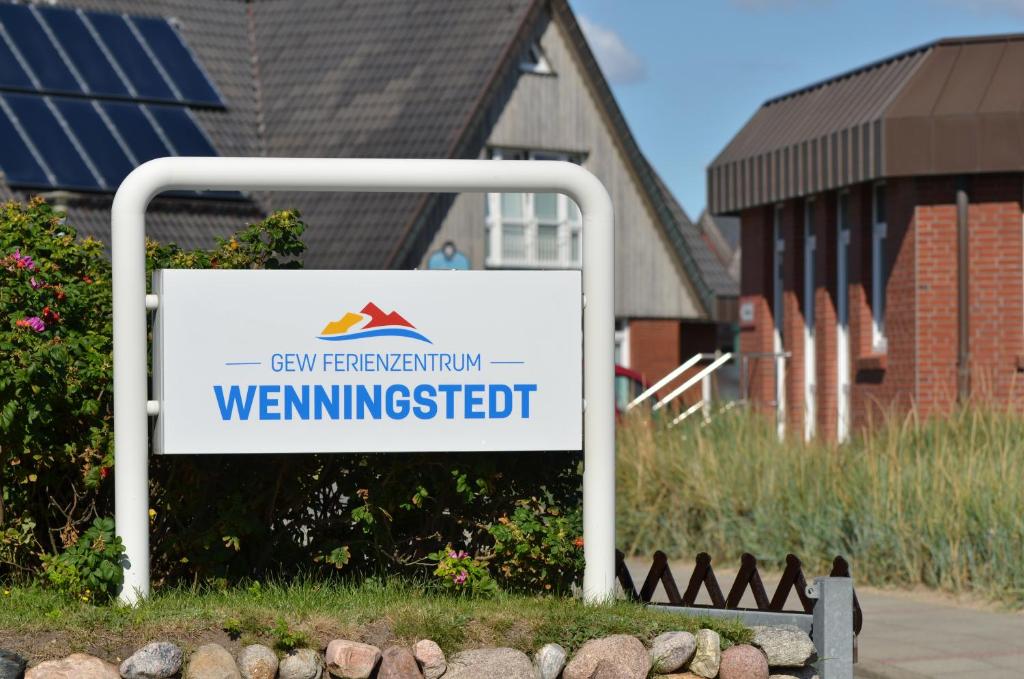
371	321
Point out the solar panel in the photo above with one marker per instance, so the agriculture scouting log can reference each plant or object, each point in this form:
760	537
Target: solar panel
117	35
96	139
177	61
181	130
19	165
82	49
11	72
38	51
87	96
48	135
136	129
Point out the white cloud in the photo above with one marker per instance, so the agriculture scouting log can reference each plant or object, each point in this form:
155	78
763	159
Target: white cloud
620	64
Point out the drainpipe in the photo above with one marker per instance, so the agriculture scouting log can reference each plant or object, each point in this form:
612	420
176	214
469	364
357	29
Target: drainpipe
963	376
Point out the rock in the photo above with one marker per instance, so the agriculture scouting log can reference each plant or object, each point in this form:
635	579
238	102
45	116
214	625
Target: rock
743	662
211	661
157	660
490	663
671	650
12	665
549	661
793	673
351	659
680	675
75	666
708	656
257	662
787	646
398	662
622	654
605	670
430	658
304	663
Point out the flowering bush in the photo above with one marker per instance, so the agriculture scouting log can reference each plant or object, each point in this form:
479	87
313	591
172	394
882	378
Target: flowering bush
461	572
539	547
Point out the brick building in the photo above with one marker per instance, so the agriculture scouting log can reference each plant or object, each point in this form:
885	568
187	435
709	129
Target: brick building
881	231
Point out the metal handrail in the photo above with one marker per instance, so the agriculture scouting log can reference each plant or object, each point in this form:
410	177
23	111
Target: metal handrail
650	391
704	372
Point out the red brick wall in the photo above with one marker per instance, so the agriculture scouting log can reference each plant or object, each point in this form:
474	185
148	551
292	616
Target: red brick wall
654	348
756	289
658	346
919	366
793	319
996	288
825	314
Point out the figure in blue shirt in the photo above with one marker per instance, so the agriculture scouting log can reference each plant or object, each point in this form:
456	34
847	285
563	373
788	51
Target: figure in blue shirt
448	257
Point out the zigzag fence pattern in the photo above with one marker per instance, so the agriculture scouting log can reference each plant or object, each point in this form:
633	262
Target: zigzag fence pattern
748	577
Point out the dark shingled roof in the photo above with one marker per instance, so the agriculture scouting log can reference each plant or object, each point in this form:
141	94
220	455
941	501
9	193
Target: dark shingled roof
366	78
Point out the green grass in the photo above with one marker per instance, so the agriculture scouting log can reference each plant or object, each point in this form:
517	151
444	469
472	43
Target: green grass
938	502
380	612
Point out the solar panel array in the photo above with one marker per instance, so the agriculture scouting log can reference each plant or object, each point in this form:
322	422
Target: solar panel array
85	97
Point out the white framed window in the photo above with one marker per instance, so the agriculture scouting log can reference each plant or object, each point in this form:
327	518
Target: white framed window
532	230
879	231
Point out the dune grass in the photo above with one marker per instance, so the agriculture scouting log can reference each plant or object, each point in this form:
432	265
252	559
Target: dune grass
938	502
383	612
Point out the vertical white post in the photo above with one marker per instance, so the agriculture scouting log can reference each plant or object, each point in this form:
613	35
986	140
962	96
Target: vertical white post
131	445
705	397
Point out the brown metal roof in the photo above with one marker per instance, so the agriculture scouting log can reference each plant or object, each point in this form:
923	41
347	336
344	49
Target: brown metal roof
949	107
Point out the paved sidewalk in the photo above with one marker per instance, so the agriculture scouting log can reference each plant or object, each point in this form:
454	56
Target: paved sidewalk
911	635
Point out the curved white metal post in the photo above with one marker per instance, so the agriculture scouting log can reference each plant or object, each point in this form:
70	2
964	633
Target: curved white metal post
128	227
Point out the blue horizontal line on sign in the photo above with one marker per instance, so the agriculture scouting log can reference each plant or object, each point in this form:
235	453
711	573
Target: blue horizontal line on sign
244	363
507	362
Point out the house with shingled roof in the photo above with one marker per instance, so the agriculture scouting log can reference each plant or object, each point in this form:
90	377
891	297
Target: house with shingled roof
118	82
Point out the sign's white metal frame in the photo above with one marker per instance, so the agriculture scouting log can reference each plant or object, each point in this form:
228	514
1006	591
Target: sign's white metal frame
132	407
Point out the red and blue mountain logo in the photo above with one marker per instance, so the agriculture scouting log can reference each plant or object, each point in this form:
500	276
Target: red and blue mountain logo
371	321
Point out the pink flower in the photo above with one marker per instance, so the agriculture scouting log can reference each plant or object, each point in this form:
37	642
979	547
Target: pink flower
33	323
460	578
453	554
23	261
34	283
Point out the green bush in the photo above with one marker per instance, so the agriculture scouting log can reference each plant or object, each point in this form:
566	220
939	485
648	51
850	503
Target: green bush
90	569
539	546
213	518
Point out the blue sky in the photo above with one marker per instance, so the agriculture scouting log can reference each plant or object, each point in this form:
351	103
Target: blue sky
689	73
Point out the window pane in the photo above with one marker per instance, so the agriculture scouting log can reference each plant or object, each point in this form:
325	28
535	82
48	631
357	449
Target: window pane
574	212
574	248
547	243
513	242
512	205
545	206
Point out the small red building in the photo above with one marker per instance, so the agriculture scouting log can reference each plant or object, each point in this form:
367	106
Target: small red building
881	231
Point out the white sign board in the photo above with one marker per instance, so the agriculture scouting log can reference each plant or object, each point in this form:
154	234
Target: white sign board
367	361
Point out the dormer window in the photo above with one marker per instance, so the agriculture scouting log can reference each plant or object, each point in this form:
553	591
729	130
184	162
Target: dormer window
535	61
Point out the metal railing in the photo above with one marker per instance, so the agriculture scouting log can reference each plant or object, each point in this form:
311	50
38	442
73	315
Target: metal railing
702	376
